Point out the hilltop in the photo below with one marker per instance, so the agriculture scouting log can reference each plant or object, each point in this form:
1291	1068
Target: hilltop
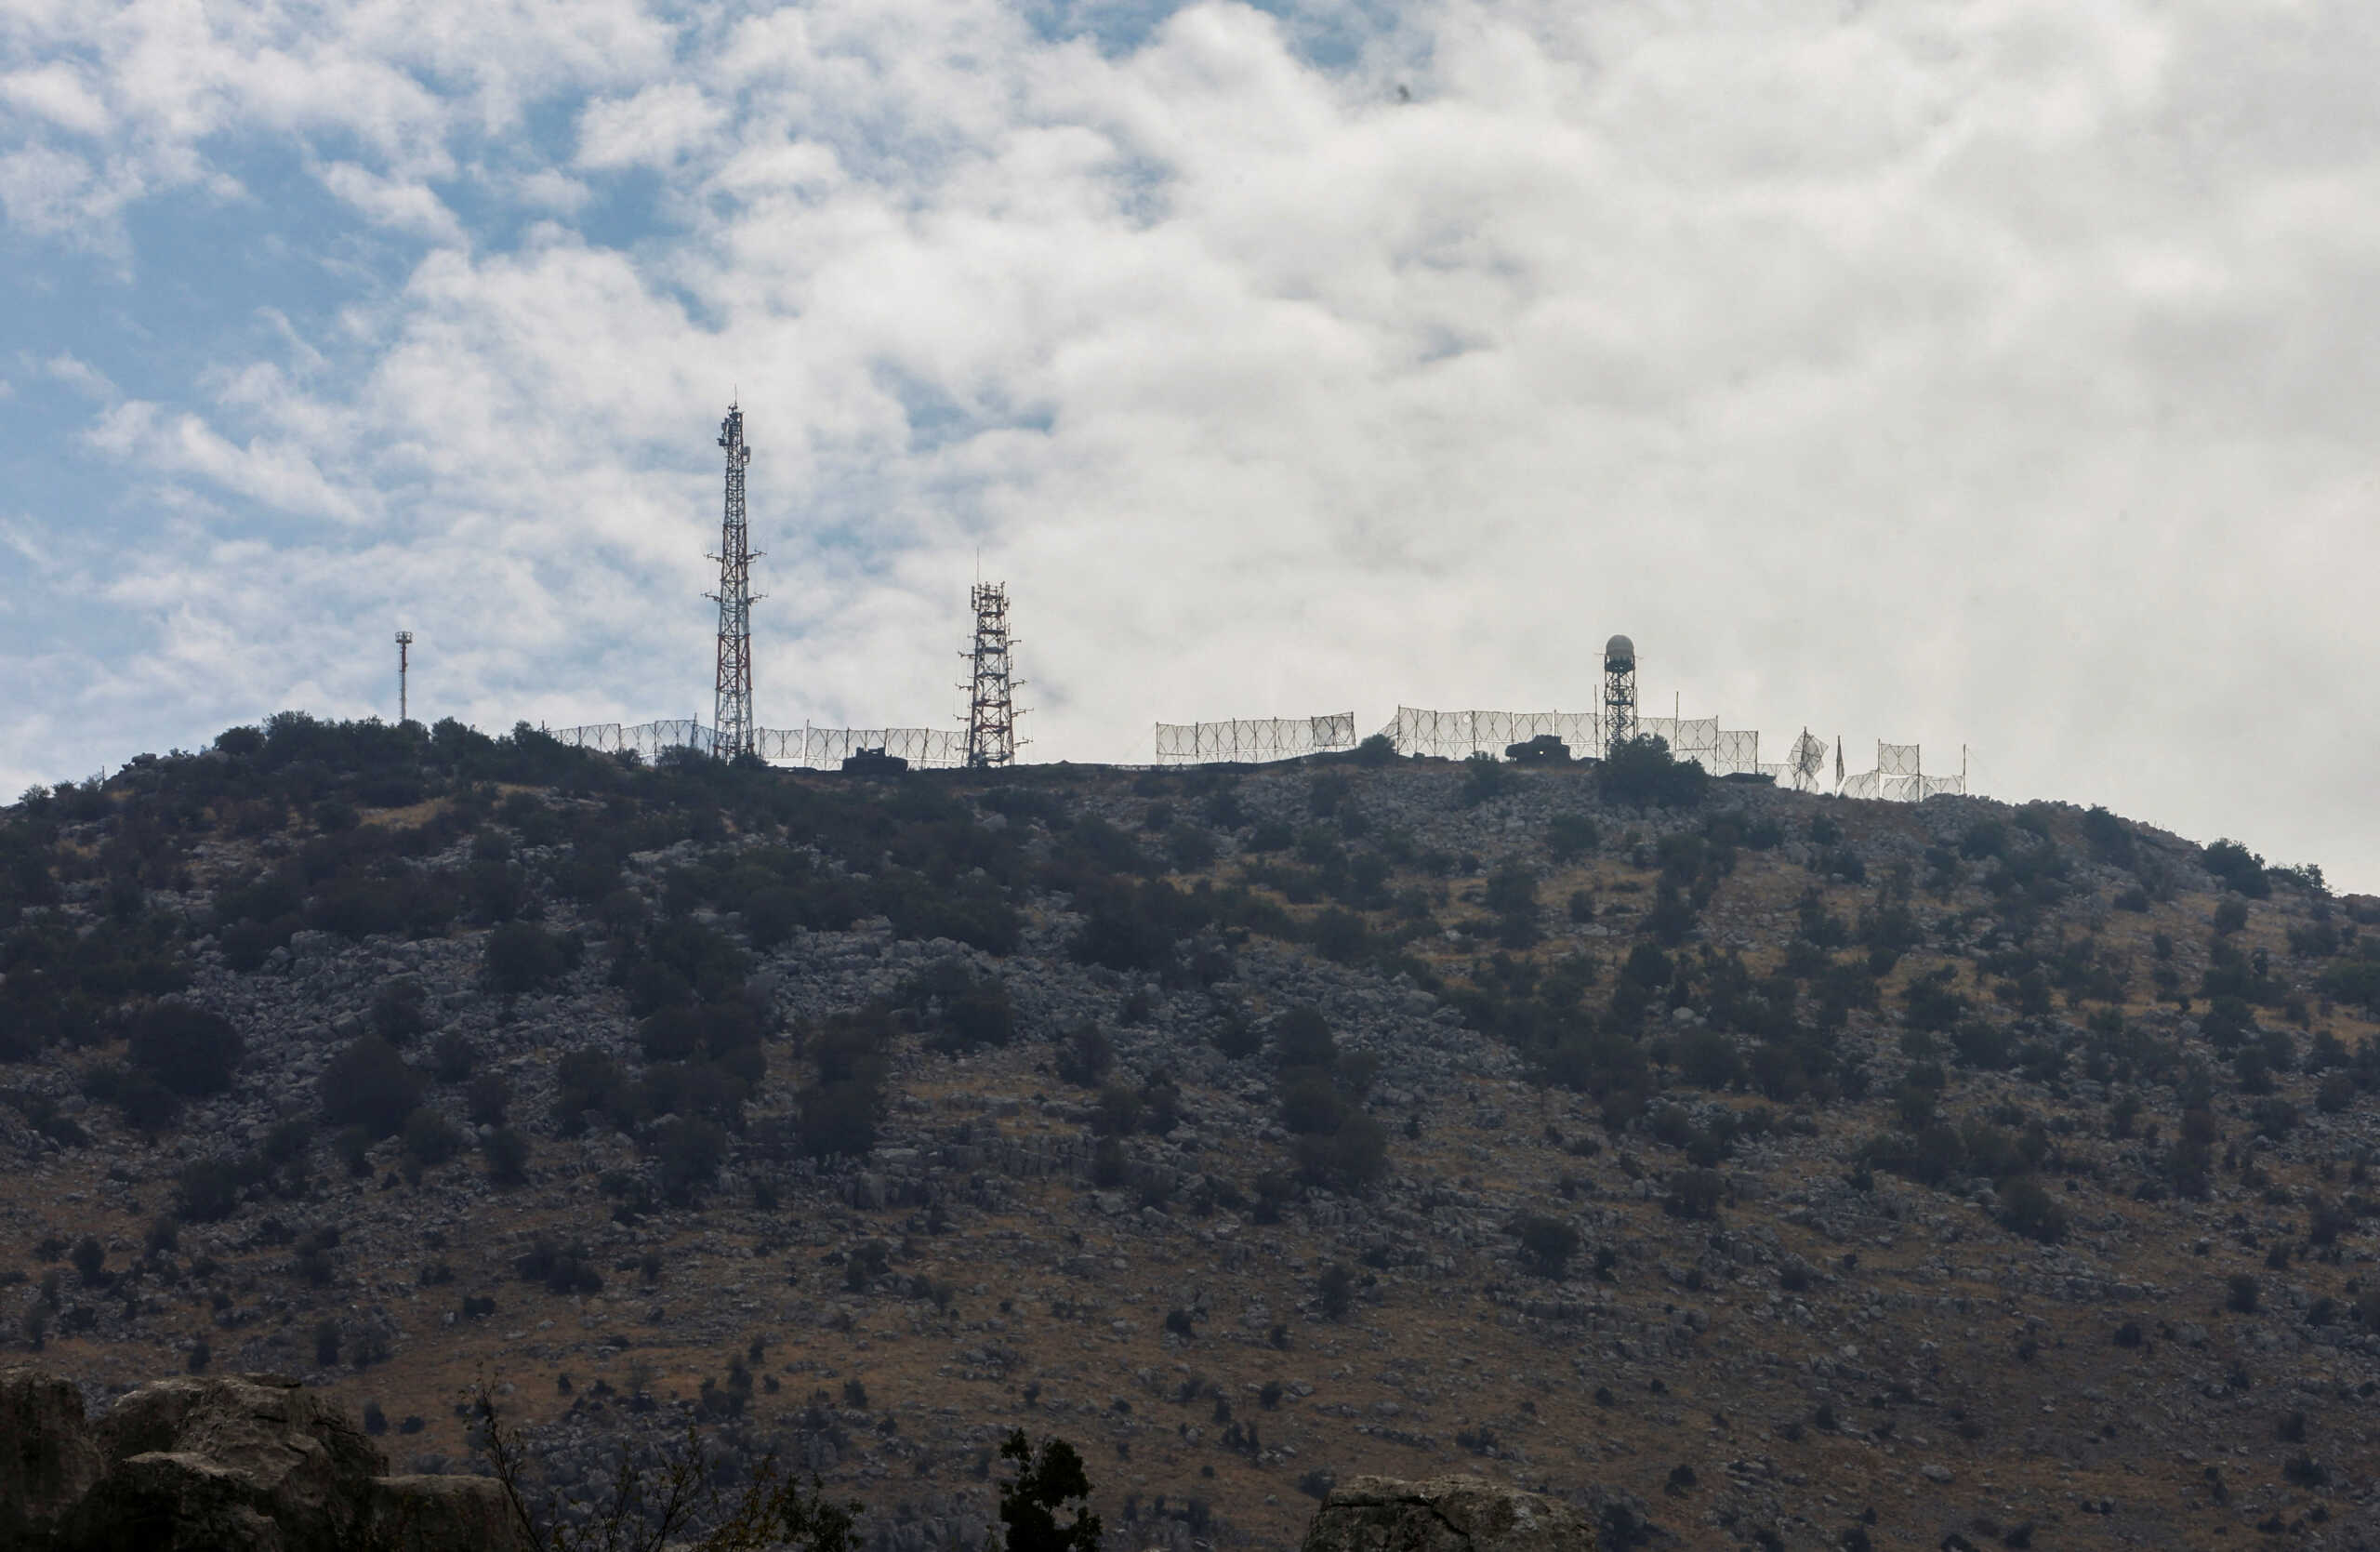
1749	1167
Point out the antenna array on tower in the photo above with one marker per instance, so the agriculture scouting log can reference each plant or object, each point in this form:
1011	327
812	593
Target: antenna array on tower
991	700
731	710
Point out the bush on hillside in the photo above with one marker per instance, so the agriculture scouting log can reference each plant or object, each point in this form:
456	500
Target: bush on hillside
188	1050
521	957
368	1085
1642	770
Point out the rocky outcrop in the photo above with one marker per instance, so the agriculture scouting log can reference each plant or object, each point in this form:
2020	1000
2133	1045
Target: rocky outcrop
257	1463
1444	1514
48	1460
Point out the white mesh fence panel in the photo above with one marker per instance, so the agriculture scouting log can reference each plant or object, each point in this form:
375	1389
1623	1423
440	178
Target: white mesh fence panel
1458	735
825	748
1895	759
1738	753
822	748
1781	773
1697	739
602	737
1867	784
1253	740
1936	787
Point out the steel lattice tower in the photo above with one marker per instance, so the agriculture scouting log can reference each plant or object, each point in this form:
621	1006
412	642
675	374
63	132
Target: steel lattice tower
405	649
991	700
1618	692
731	710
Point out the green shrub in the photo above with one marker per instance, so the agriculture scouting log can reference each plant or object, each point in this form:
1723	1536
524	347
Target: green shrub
521	957
1484	778
1570	836
1337	1286
1341	936
206	1191
2238	868
429	1140
563	1268
1044	1484
505	1152
1546	1244
588	1080
188	1050
1642	770
369	1085
1695	1194
2026	1208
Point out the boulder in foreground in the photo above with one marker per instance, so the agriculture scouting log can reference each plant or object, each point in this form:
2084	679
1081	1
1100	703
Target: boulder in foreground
1444	1514
256	1463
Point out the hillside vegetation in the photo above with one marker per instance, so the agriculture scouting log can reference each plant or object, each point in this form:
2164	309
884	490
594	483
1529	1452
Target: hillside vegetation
1752	1168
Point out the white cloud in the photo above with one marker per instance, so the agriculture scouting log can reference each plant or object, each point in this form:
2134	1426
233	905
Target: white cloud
57	92
278	475
1984	374
655	127
81	375
412	208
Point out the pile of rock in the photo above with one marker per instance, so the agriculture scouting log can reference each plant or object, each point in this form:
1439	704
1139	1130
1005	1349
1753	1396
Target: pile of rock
257	1463
1444	1514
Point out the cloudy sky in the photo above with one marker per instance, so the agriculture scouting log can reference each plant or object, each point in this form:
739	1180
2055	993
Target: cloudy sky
1984	372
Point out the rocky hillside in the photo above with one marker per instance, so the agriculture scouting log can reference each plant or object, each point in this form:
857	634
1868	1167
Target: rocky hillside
1748	1168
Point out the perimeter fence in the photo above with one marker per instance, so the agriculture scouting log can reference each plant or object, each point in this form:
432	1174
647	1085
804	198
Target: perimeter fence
1255	740
1460	734
819	747
1898	777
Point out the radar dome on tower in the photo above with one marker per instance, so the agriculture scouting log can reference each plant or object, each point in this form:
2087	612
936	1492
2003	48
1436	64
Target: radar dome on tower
1619	649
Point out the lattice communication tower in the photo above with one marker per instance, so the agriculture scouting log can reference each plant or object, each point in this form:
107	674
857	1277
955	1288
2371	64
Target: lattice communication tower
404	650
991	691
732	711
1618	692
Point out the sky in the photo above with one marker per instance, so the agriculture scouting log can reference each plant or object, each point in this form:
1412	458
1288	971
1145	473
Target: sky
1995	373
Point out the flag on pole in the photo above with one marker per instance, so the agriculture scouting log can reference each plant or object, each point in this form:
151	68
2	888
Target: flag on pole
1838	760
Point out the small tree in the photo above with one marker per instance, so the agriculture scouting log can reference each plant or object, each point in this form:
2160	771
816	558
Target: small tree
2238	867
188	1051
1547	1243
1338	1289
1045	1483
647	1509
1484	776
523	956
369	1085
1641	771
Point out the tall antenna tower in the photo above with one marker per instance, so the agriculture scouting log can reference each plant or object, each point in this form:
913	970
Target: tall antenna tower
731	710
405	646
991	703
1618	692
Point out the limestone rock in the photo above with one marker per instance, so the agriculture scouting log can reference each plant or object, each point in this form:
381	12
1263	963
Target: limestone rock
48	1459
257	1461
258	1464
1444	1514
444	1514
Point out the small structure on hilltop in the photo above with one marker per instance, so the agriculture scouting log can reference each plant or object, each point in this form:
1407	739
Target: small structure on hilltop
1544	750
992	682
1618	692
